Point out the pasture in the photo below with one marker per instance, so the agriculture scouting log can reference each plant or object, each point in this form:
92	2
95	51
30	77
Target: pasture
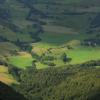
22	60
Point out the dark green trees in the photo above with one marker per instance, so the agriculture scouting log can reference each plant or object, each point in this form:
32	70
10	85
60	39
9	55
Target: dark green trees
65	58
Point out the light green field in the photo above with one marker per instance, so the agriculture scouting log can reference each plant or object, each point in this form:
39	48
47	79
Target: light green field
24	62
81	55
20	61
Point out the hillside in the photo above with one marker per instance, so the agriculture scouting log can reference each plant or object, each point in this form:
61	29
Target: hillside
79	15
7	93
67	83
49	24
50	49
6	77
21	20
15	29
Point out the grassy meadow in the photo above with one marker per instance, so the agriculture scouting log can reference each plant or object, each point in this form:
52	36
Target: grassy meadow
22	60
58	44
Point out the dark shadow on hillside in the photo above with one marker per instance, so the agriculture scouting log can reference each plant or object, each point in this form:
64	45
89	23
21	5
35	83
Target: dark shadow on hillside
7	93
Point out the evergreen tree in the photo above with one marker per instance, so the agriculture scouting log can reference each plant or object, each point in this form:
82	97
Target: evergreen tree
64	57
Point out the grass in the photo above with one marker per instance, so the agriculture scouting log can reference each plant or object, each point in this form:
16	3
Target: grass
78	55
7	48
5	77
3	69
56	33
22	60
41	66
81	55
58	29
57	39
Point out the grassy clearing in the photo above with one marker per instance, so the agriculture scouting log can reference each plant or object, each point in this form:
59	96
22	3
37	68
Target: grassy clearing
24	62
81	55
21	61
3	69
58	43
5	77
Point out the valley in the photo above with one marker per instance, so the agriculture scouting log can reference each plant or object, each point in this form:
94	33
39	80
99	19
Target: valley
50	49
54	45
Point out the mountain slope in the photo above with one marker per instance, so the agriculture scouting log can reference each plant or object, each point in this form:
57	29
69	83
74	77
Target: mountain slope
22	20
7	93
75	14
66	83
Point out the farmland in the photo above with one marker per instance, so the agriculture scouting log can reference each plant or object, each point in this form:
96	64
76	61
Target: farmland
50	49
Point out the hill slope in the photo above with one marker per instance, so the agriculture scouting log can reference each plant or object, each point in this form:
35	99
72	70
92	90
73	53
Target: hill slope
67	83
47	46
7	93
51	23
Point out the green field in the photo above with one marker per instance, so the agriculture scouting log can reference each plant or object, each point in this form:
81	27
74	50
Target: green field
79	55
84	54
20	61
